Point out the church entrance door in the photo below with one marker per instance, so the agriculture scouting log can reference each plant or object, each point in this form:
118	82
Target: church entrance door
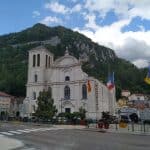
68	110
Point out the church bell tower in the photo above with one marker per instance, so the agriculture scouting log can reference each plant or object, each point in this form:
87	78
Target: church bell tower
40	59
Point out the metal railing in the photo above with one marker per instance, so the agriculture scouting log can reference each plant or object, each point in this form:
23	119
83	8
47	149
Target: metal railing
128	128
131	127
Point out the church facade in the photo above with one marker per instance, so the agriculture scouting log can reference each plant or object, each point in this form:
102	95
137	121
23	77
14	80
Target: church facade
68	84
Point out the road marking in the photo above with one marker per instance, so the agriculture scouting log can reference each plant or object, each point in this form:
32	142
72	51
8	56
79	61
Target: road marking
15	132
50	129
6	133
29	149
1	135
23	131
42	129
57	128
29	130
32	129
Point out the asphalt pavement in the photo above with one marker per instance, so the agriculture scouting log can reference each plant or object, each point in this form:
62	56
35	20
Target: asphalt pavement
70	138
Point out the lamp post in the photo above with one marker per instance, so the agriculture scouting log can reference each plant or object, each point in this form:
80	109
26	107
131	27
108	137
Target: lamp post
61	105
61	108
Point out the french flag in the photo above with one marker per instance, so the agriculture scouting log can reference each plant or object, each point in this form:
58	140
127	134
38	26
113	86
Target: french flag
110	81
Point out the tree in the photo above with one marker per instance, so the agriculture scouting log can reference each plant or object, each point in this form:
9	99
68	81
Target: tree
82	112
105	115
46	109
71	116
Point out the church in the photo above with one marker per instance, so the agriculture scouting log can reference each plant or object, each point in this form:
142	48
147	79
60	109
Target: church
68	83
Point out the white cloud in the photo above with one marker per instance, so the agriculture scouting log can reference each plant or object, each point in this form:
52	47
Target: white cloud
76	8
103	7
133	49
133	46
57	7
123	8
140	8
49	20
141	63
60	8
91	21
35	13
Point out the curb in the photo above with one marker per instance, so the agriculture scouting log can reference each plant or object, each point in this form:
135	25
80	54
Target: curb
116	132
70	126
132	133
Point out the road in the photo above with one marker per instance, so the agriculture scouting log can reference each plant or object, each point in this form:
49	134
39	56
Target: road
58	138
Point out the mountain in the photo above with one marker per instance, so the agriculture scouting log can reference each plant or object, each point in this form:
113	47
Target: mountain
97	60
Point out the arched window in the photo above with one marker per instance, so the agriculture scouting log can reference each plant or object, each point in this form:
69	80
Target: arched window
38	60
50	91
34	95
35	78
34	60
46	61
49	62
33	107
84	91
67	78
67	92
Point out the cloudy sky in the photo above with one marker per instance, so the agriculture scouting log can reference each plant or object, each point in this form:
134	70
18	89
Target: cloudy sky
123	25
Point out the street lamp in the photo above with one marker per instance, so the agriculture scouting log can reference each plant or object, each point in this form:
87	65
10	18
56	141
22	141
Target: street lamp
61	104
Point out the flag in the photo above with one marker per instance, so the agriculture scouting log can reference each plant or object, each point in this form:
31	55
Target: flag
89	86
110	81
147	79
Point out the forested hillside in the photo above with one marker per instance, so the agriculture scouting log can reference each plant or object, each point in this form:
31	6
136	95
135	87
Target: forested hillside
97	60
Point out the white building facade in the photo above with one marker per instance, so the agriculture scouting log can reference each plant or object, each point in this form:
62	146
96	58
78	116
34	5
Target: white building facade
5	102
135	97
68	84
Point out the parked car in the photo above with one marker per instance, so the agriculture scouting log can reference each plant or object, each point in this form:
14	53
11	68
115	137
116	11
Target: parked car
34	119
25	119
134	117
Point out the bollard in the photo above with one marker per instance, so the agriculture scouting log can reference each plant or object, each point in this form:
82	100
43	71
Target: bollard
106	125
100	125
144	127
116	127
132	127
141	127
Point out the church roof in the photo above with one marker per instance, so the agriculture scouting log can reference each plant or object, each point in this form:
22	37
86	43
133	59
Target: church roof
66	60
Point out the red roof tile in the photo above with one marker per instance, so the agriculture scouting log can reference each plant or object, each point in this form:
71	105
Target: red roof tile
5	94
